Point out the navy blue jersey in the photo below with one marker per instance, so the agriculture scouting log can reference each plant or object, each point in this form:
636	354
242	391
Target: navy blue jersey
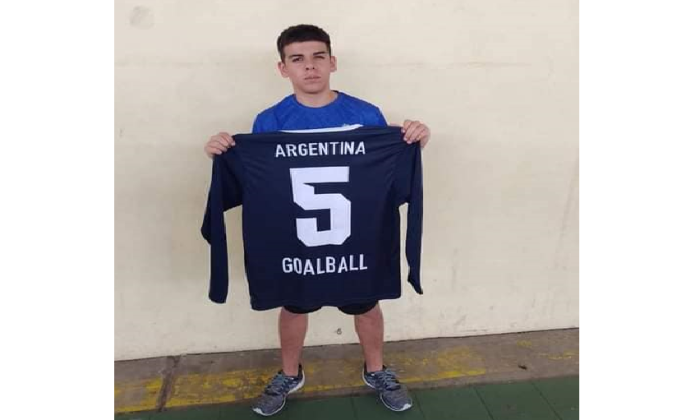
321	224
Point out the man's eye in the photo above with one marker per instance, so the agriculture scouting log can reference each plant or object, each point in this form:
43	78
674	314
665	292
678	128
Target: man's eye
296	60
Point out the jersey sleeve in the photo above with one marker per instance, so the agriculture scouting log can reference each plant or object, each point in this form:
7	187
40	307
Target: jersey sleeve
225	193
409	189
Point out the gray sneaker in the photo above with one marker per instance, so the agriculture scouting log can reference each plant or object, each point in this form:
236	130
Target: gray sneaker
393	394
275	394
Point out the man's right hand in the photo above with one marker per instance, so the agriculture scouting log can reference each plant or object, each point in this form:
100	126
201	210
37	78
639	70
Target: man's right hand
218	144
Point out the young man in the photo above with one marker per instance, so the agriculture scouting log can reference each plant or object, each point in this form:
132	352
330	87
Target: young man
306	60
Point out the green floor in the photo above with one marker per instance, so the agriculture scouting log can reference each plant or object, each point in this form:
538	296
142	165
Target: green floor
555	399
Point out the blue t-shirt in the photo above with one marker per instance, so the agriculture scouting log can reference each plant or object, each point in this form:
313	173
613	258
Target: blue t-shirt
289	114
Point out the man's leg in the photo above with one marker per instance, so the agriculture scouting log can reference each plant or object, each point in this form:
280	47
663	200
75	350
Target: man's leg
370	330
292	331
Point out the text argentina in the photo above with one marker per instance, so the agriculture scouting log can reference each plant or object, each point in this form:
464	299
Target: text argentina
320	149
324	265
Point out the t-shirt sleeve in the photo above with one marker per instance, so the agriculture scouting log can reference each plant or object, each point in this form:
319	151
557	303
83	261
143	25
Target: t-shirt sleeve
257	126
381	122
225	193
409	189
265	122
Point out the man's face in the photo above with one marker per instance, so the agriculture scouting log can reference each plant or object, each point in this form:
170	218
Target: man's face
308	65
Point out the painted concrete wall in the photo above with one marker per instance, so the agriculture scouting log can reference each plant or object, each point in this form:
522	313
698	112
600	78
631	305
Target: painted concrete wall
497	82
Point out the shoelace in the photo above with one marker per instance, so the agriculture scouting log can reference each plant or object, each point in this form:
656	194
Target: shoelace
387	379
280	384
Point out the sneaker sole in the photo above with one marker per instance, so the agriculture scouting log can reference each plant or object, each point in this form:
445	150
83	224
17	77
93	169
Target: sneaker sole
295	389
404	408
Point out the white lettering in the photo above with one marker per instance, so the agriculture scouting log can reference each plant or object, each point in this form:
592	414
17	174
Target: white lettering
352	266
342	265
324	265
347	148
320	149
330	264
312	149
308	267
287	266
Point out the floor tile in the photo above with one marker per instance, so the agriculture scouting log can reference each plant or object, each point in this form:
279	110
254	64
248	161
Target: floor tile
562	394
242	411
369	407
336	408
134	416
515	401
451	403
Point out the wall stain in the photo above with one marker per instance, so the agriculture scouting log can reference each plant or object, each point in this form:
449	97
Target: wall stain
141	17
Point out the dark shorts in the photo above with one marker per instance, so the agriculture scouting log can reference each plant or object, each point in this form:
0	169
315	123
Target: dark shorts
353	309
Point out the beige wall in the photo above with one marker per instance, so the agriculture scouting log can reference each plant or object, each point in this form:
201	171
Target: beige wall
497	82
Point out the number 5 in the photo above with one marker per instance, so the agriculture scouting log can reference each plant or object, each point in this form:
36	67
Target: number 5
305	196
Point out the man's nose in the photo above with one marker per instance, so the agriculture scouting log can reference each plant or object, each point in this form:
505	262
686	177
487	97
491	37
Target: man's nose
309	65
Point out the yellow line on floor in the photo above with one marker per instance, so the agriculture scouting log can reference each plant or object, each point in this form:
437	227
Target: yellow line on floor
321	375
226	387
137	395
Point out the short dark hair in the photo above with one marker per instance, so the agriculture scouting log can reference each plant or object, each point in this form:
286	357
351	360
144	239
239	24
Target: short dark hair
302	33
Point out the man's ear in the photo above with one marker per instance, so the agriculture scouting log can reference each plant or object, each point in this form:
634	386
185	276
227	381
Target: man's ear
334	64
283	69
